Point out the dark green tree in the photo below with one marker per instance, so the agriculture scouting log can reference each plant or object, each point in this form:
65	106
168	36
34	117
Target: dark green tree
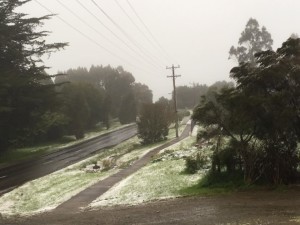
189	96
153	123
275	88
168	108
128	109
253	39
24	95
261	115
118	87
142	95
83	105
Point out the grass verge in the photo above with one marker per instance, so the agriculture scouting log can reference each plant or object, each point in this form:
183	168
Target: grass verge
16	155
48	192
162	178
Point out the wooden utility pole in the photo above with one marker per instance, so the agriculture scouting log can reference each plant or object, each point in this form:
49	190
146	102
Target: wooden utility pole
174	95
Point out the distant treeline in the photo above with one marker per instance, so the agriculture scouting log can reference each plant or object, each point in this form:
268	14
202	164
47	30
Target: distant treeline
94	95
190	96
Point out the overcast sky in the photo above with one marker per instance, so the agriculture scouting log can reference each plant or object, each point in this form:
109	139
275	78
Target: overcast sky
196	34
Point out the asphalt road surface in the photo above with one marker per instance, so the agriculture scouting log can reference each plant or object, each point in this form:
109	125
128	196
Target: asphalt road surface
16	175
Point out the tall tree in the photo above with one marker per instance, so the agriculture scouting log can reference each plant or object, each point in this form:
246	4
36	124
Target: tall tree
142	95
262	115
127	113
188	97
118	87
24	96
253	39
153	123
83	105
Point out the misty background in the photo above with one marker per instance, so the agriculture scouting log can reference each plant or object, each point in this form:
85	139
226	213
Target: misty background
195	34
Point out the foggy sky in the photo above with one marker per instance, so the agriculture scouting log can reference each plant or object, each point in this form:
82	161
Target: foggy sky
195	34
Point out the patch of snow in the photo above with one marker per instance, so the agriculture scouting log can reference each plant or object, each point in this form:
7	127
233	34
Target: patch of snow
195	131
155	181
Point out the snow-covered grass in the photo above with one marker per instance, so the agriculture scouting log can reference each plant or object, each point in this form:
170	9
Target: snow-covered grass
296	219
48	192
162	178
156	181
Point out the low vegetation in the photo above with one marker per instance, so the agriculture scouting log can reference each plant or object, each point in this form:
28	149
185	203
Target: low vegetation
53	189
162	178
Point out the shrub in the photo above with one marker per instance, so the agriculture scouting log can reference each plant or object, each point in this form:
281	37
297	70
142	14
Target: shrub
108	163
153	124
192	164
222	180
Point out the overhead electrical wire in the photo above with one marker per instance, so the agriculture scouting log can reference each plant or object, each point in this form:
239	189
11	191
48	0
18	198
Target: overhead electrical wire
115	35
91	27
136	26
89	38
126	34
148	30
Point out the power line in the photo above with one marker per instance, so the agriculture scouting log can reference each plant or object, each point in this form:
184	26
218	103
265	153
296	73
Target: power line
115	35
87	37
148	30
91	27
173	76
125	33
134	23
87	24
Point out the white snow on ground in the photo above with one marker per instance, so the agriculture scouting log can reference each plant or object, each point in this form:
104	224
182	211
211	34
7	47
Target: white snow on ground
161	179
195	131
48	192
156	181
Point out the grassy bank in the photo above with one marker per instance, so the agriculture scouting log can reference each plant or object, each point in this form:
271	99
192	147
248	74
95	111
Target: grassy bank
162	178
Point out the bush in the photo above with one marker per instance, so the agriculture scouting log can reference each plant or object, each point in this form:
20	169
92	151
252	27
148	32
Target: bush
108	163
153	124
222	180
192	165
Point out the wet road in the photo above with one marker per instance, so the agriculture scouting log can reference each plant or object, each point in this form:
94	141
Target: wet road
16	175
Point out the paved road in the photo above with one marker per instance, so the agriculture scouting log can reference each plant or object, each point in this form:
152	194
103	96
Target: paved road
17	175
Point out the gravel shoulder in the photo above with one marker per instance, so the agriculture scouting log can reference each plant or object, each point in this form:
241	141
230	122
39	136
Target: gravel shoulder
255	207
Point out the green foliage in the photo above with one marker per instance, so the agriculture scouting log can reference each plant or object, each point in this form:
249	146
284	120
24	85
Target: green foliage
260	115
222	180
189	96
26	92
51	126
153	123
142	95
83	106
128	109
168	106
122	96
229	159
193	164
